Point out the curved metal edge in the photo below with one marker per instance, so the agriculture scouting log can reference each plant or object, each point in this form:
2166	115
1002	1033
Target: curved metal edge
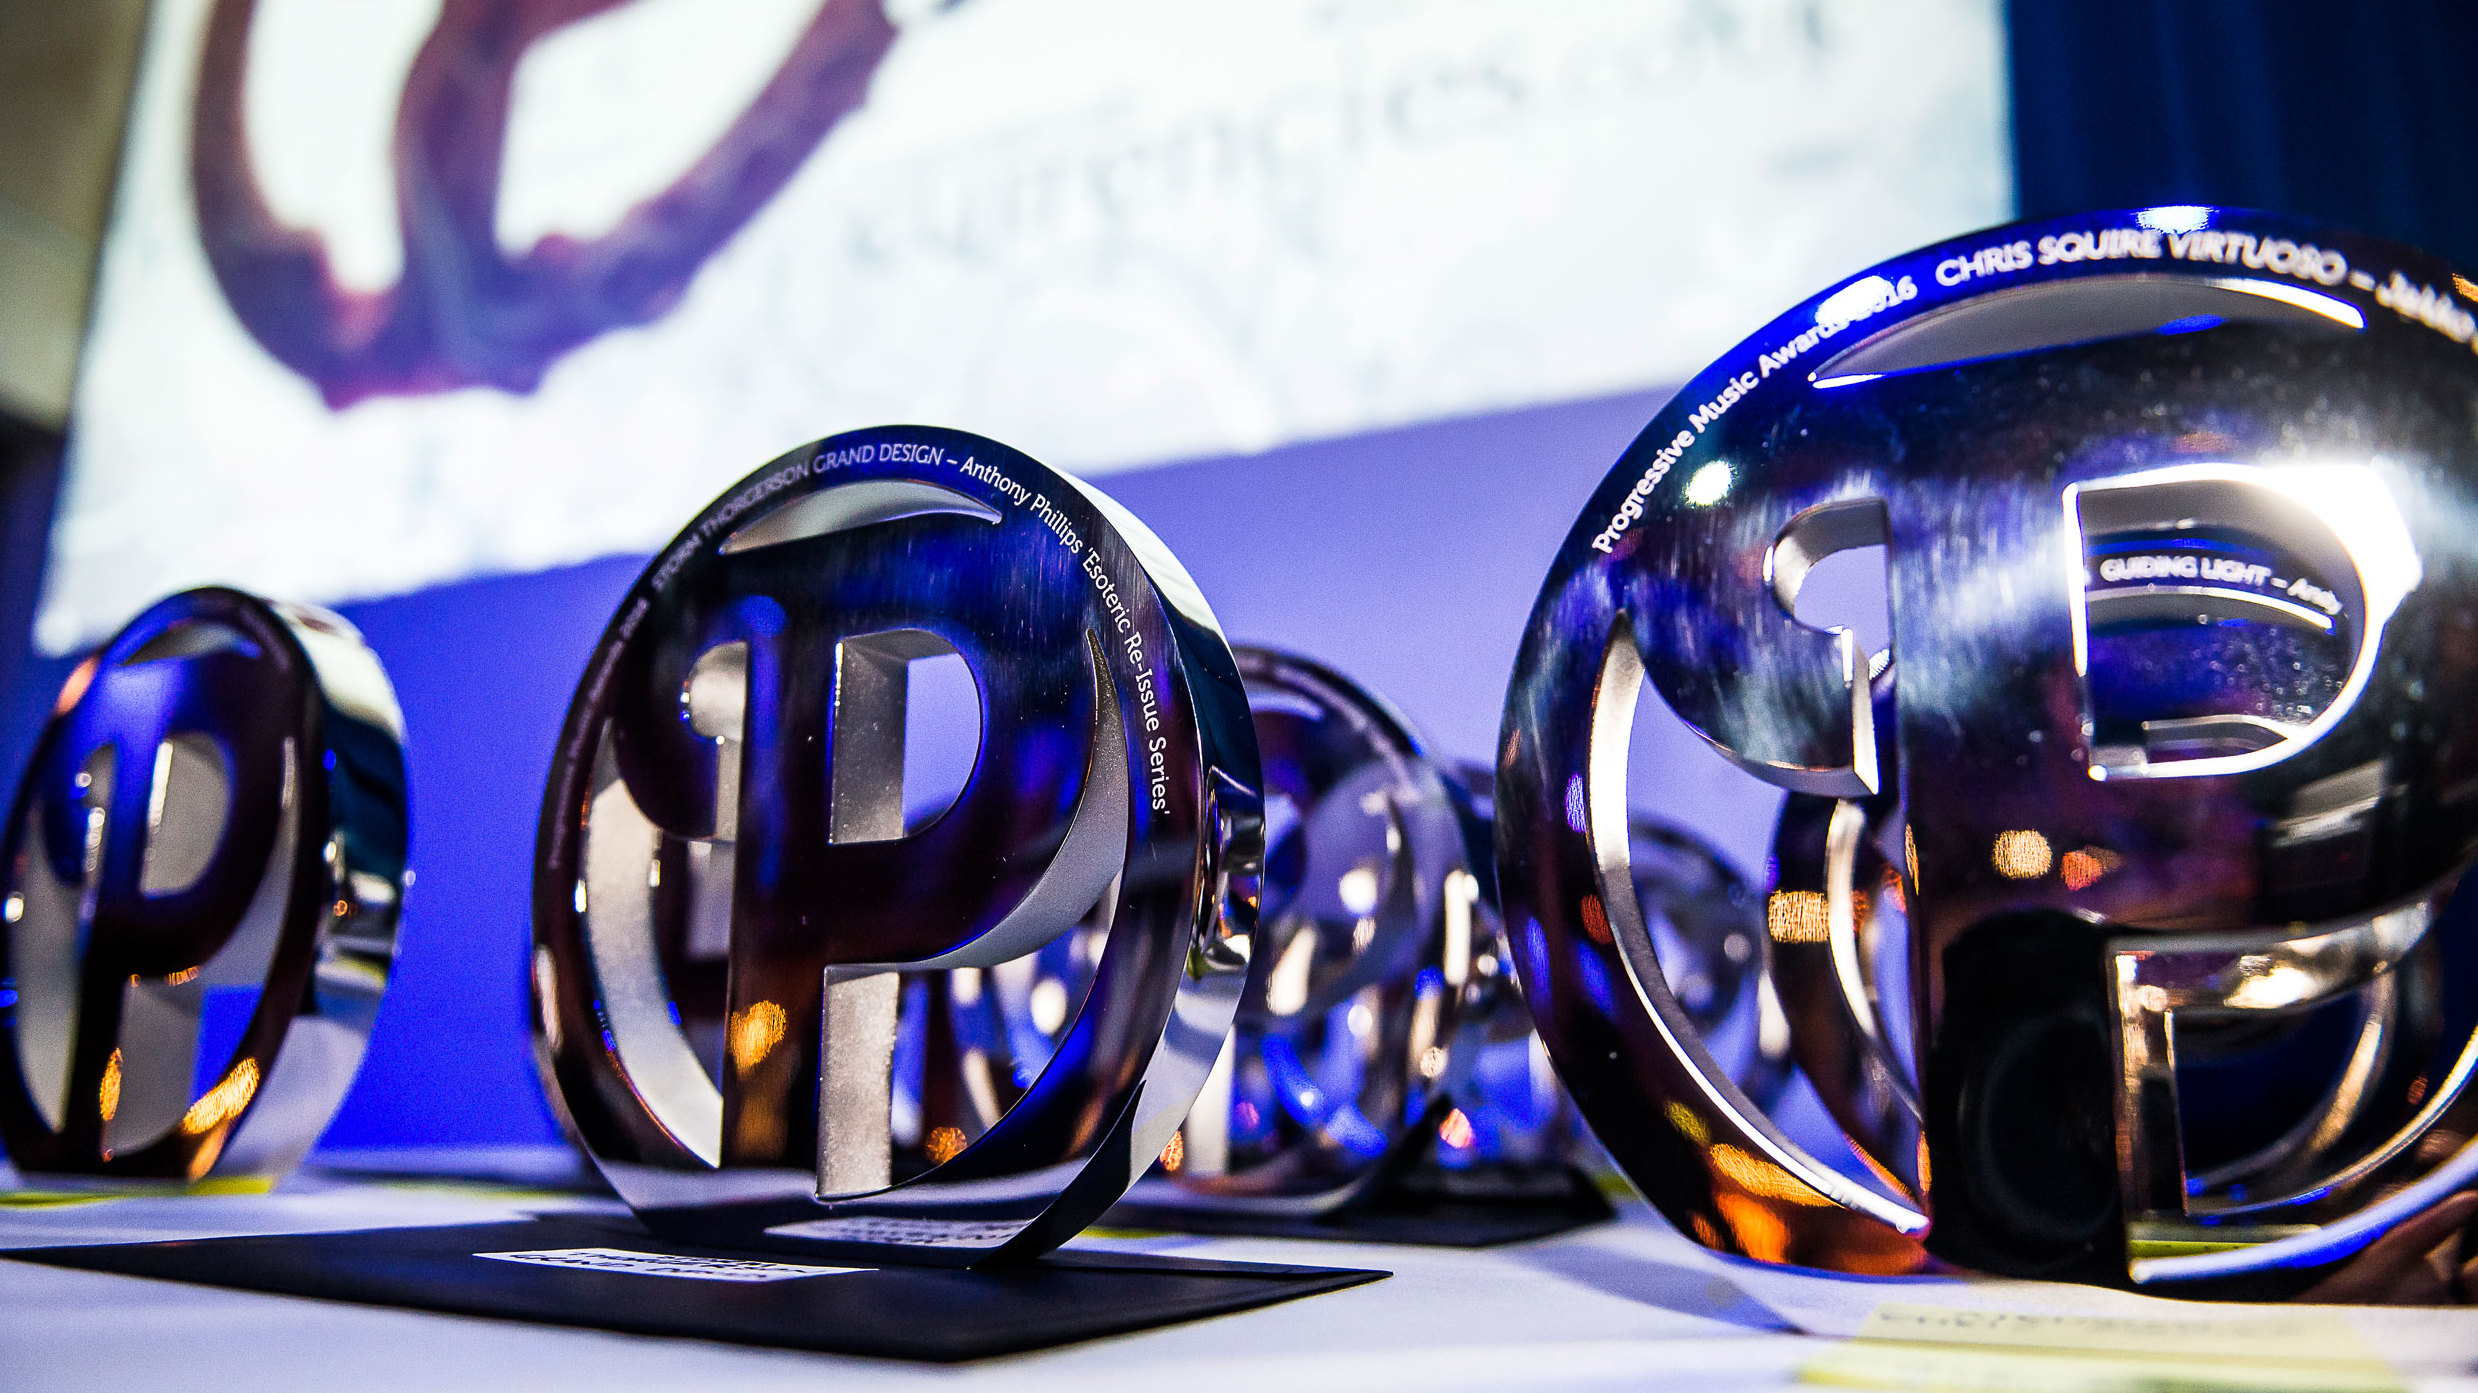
1225	873
1729	1115
2330	1243
1631	500
1405	743
320	999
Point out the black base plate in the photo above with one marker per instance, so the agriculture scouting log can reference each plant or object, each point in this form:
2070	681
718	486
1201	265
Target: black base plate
936	1314
1426	1215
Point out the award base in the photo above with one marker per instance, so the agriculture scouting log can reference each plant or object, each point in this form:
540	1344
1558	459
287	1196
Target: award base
603	1272
1427	1208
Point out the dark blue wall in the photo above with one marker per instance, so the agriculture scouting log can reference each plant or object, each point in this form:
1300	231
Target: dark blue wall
2361	113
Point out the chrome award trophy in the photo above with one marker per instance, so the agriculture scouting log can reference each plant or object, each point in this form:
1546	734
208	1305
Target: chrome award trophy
2162	785
728	890
205	860
1709	923
1349	1099
1382	965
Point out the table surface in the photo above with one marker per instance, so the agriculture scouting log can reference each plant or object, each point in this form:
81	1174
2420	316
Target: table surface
1624	1304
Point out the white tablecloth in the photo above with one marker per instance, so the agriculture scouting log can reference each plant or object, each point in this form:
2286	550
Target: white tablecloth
1621	1305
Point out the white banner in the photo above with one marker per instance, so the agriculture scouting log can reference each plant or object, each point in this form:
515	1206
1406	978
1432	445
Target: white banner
357	334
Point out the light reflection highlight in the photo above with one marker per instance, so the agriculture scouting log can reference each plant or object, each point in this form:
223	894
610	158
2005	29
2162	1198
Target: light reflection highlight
2021	854
755	1031
1797	916
224	1102
1709	485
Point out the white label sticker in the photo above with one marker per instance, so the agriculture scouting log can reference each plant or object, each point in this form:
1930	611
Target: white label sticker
667	1265
919	1233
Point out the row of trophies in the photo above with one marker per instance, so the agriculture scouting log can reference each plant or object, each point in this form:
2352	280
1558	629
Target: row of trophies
2106	921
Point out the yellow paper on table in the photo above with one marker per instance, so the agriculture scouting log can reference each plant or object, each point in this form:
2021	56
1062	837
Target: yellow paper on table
1945	1348
139	1189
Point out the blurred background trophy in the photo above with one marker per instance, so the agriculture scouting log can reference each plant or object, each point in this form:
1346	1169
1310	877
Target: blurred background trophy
205	863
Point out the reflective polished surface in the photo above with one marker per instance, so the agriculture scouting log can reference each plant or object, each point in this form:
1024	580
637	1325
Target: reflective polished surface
2107	914
730	885
1383	978
1708	922
1383	962
206	857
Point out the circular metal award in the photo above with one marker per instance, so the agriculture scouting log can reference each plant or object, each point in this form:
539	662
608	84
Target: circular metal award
2109	920
1382	971
1708	923
1381	957
730	887
205	859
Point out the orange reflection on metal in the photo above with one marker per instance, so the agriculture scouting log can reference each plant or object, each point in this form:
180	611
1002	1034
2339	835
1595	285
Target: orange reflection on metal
2021	854
1595	920
2082	869
1455	1131
224	1102
755	1031
109	1100
1760	1233
1175	1154
1758	1176
73	690
1797	916
944	1143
